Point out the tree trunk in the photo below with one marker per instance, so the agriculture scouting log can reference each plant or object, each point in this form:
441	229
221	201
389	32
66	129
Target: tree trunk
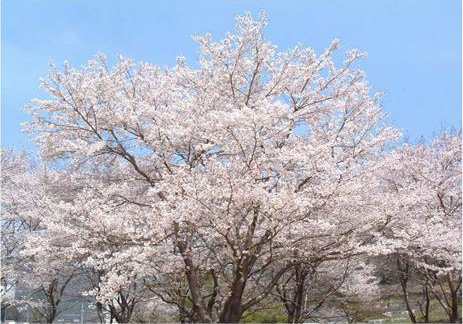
124	317
52	308
300	284
99	308
297	303
403	268
199	307
126	305
453	318
427	304
51	316
232	311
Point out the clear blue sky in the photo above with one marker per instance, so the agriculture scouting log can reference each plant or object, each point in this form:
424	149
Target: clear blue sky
414	47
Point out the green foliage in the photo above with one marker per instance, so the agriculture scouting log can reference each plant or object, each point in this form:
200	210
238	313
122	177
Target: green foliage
270	314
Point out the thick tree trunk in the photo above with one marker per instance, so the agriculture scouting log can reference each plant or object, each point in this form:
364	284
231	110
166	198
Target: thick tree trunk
232	310
296	304
454	316
51	316
300	279
99	309
403	269
124	316
52	303
199	307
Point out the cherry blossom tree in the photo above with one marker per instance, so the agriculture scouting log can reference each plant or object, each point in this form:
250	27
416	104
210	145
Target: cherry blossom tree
13	227
25	262
306	291
257	173
232	169
50	243
422	195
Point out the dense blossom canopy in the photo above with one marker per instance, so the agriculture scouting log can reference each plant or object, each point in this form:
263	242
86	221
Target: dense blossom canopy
230	175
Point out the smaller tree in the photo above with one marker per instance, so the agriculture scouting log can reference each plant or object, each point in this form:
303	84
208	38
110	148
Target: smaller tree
338	285
421	186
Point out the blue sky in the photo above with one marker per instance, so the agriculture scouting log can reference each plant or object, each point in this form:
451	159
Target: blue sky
414	47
